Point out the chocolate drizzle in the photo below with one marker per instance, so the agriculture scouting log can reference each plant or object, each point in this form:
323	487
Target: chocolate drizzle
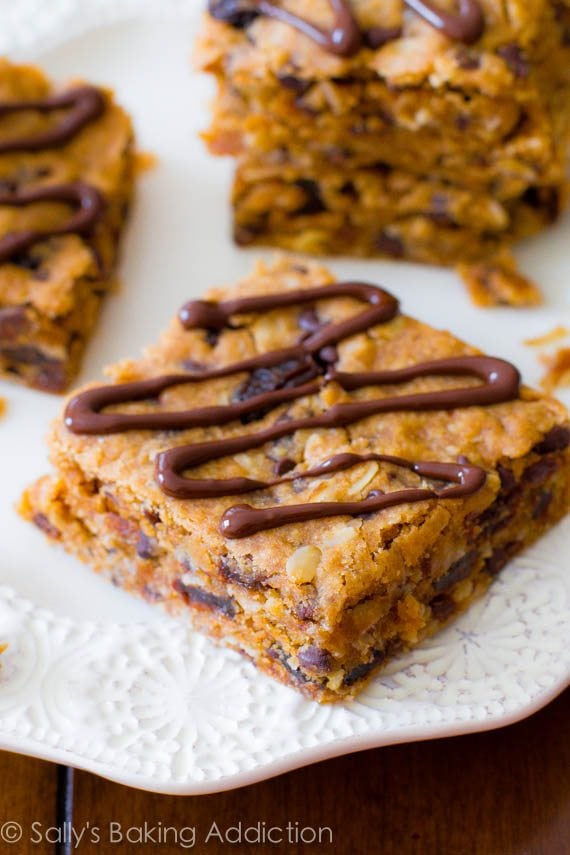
83	105
88	200
500	382
243	520
345	38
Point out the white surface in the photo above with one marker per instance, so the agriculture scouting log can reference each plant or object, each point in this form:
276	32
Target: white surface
98	680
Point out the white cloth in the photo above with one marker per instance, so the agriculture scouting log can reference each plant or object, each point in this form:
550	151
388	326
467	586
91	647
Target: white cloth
28	27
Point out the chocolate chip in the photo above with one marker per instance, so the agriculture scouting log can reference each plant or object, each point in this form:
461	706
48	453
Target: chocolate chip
286	375
562	15
50	376
542	504
468	60
336	156
146	546
289	81
508	480
439	210
373	494
538	473
8	185
237	13
301	105
212	337
26	260
263	380
381	168
439	203
127	529
390	245
309	321
197	596
442	607
363	670
500	557
244	236
557	439
13	322
462	121
515	59
42	171
348	189
282	447
458	571
546	200
278	654
347	80
26	354
314	202
328	355
42	522
531	197
315	658
305	610
282	467
496	517
230	571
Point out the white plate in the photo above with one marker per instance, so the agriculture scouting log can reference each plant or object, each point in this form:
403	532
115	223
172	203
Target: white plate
98	680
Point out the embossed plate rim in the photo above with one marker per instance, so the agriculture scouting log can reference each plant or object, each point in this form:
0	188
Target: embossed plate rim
61	709
301	759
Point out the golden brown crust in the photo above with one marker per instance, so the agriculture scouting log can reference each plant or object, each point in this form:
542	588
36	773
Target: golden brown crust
50	295
357	588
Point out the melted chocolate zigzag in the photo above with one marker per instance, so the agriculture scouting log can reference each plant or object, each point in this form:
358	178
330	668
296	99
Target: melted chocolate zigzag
82	105
85	413
345	37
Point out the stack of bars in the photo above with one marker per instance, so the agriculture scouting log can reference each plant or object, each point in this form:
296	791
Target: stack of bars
431	132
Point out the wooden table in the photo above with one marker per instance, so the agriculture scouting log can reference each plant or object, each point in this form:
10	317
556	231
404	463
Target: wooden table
501	793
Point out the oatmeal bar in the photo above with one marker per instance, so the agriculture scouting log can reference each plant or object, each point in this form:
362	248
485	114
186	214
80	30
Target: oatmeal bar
384	211
313	477
450	120
66	181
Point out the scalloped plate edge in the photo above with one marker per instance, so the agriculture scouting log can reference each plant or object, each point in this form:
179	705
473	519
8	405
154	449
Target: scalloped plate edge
298	760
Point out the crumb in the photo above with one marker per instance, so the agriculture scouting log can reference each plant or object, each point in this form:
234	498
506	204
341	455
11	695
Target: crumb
558	370
497	282
145	161
555	334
